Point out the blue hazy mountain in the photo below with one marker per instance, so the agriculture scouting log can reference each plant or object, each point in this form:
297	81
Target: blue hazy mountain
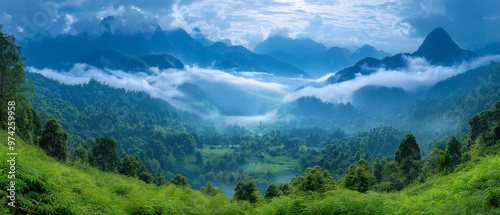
63	51
162	61
438	48
313	57
114	59
197	35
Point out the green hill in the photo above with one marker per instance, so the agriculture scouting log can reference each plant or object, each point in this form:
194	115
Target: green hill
46	186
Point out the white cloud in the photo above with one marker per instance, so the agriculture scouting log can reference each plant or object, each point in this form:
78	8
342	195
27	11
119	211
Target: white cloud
419	74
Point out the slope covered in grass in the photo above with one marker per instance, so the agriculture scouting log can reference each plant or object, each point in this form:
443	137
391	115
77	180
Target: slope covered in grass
45	186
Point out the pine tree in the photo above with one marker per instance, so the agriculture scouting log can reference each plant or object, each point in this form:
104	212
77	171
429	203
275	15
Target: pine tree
408	158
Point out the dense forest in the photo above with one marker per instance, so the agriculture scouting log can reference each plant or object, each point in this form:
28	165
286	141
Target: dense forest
97	149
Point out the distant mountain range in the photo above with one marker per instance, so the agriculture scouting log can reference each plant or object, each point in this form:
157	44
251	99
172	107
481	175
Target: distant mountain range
438	48
136	52
312	57
114	59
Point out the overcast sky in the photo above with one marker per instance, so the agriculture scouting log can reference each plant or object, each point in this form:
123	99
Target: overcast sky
393	26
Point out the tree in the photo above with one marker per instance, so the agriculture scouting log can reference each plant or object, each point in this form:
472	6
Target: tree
272	191
12	77
179	180
359	178
246	191
453	146
104	154
391	178
446	161
199	159
377	169
80	154
160	179
54	140
312	140
408	158
145	175
131	166
209	190
313	179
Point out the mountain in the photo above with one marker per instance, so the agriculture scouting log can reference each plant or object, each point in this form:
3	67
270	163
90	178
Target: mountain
438	48
289	45
314	57
62	52
368	51
113	59
162	61
247	60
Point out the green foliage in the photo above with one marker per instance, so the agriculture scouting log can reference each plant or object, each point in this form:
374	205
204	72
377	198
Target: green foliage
272	191
446	162
80	155
54	140
392	180
359	178
104	154
245	191
210	191
131	166
313	179
160	179
377	169
408	158
179	180
453	146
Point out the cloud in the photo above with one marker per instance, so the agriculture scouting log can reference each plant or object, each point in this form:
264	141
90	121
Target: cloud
471	23
419	74
164	84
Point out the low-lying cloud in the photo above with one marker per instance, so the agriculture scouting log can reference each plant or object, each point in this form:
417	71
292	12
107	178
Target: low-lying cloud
419	74
248	97
216	84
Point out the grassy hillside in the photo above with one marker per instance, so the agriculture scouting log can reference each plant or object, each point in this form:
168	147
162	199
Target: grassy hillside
45	186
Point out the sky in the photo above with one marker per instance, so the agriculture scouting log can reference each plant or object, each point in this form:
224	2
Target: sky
390	25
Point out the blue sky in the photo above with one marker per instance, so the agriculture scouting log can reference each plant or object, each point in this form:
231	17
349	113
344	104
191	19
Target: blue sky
393	26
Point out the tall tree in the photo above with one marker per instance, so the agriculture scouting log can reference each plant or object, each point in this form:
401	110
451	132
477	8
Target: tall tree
104	154
54	140
15	90
199	159
453	146
408	158
377	169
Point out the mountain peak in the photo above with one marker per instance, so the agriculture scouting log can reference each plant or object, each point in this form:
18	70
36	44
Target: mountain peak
439	48
438	39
